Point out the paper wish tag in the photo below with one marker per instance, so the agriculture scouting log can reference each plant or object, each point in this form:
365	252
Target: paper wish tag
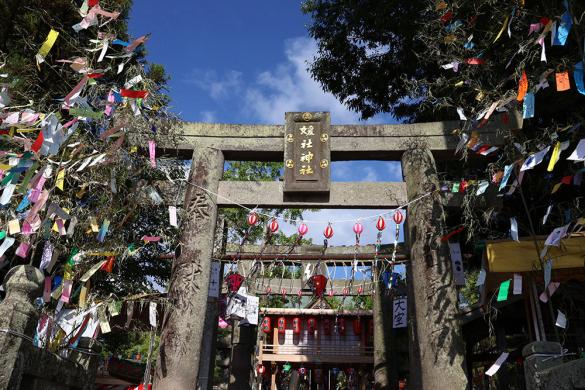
561	321
497	364
152	314
552	287
579	152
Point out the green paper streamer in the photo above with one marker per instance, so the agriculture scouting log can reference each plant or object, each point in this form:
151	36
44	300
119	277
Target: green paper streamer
28	175
503	293
2	234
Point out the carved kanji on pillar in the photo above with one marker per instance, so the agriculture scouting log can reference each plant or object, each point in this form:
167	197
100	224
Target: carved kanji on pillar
179	350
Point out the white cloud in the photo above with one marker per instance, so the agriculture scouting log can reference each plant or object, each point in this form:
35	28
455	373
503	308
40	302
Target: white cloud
219	87
208	116
289	87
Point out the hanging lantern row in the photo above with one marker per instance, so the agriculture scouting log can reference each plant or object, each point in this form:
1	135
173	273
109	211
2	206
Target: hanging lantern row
318	288
297	326
303	229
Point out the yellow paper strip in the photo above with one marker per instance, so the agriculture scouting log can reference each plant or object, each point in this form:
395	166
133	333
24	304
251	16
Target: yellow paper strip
14	227
503	28
60	179
83	295
47	45
554	157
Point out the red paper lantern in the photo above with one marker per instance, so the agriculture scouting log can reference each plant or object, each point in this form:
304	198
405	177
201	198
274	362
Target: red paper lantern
296	325
252	218
330	293
303	229
319	283
300	293
302	370
281	325
261	369
283	291
357	326
327	326
328	232
268	290
398	217
360	290
273	226
341	326
358	228
266	325
345	291
312	325
381	224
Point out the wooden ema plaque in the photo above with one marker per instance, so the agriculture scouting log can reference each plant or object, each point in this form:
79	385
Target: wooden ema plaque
307	152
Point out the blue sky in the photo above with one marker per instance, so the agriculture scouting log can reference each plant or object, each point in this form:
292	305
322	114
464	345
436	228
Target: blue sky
236	61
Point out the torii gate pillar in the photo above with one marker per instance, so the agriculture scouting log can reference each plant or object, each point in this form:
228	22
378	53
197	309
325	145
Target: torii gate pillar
179	350
436	344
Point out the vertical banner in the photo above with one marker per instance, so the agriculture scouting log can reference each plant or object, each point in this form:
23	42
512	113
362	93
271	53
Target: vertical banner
214	280
399	319
457	260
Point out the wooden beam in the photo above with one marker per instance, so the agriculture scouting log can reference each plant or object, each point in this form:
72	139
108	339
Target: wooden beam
344	195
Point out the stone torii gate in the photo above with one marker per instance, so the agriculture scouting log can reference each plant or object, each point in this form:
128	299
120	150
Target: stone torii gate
431	306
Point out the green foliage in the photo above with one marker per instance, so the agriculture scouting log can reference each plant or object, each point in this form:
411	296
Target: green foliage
470	291
367	51
128	344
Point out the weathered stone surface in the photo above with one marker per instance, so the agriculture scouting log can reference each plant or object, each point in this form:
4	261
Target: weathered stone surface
347	141
436	343
345	195
22	365
545	368
179	350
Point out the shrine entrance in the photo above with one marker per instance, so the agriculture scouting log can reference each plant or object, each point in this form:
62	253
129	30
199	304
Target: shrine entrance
307	144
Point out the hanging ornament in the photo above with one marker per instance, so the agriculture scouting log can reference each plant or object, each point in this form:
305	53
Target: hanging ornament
303	229
268	290
345	291
318	283
360	290
261	369
330	293
273	226
328	232
283	292
300	293
398	217
358	228
252	218
381	224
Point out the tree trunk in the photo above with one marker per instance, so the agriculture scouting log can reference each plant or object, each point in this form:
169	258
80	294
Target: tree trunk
437	347
179	350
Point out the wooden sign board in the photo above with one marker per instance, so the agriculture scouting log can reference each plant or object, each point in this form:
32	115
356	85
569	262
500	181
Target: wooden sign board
307	152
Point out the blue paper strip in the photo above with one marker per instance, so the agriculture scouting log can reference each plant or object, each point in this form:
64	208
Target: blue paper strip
528	109
578	76
507	173
563	30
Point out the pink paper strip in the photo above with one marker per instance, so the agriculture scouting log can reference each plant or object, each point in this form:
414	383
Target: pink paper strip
67	286
76	91
22	250
47	290
150	238
152	151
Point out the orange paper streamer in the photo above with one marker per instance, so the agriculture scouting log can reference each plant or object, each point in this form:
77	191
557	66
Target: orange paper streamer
522	87
563	83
